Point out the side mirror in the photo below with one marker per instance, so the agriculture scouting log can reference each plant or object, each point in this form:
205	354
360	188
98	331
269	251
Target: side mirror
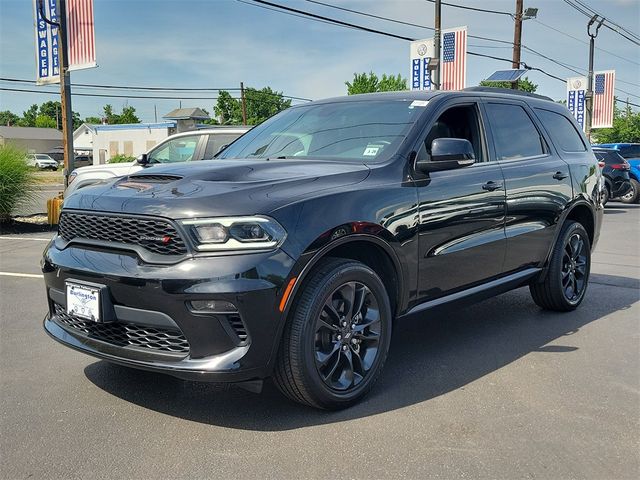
143	159
447	154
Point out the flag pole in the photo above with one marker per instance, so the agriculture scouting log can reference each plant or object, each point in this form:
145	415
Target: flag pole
65	93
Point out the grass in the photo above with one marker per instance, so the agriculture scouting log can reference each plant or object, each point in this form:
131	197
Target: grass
48	177
17	181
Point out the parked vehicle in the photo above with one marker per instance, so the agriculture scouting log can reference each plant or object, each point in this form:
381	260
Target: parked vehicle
183	147
294	252
615	170
631	153
80	161
41	161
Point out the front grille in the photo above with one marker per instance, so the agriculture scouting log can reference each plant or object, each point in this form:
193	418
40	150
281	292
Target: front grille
154	235
126	334
155	178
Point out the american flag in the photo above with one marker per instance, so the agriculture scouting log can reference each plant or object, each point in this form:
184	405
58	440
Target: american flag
80	34
453	74
604	83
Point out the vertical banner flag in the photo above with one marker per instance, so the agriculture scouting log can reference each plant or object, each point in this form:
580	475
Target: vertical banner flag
576	96
603	85
80	39
421	52
453	68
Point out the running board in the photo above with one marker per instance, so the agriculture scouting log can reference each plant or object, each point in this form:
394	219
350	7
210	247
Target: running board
479	292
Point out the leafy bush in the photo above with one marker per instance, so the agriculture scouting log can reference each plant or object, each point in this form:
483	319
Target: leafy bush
17	180
121	159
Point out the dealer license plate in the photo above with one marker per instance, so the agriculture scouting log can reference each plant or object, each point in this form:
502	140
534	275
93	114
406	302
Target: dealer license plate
83	301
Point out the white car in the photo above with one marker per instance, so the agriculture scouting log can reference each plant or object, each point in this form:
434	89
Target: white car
181	147
41	161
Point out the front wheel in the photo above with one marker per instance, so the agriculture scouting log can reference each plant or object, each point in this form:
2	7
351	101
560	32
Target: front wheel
337	336
565	283
633	195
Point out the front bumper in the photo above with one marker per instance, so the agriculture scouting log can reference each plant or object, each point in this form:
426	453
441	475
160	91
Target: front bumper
150	305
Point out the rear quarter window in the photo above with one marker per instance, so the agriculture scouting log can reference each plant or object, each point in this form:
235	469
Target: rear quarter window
562	131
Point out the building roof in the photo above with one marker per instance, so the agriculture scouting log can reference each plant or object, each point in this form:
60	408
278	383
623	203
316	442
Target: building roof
98	127
30	133
186	114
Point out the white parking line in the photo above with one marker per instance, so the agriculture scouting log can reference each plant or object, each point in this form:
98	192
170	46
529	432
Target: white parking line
26	275
5	237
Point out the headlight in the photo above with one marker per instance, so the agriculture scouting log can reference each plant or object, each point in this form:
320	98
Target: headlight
235	233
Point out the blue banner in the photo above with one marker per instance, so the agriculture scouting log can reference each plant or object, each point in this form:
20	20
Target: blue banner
48	66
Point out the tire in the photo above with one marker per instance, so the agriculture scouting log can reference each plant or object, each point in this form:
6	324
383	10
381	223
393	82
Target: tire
318	349
634	194
567	277
605	195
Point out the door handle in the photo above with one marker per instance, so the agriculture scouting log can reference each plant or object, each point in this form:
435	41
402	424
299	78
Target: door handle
560	175
491	186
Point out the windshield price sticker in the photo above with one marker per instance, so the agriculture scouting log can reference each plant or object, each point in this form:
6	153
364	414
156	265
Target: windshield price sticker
372	150
419	103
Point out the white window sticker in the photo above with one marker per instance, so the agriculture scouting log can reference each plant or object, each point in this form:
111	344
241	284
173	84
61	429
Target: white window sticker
371	151
419	103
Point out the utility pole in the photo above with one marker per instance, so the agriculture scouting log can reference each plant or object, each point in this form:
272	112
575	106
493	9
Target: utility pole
436	43
65	93
589	99
244	104
517	39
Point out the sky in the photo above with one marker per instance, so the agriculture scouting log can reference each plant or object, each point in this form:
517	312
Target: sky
220	43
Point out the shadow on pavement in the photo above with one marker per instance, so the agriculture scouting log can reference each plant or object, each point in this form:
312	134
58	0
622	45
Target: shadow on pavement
430	356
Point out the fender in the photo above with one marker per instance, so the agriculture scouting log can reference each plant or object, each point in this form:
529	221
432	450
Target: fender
561	220
308	259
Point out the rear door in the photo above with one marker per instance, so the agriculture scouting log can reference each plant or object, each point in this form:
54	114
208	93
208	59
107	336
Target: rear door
537	180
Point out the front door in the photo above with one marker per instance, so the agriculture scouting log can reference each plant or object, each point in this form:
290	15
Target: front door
462	211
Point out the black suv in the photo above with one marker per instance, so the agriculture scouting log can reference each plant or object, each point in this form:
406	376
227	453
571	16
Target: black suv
293	254
615	171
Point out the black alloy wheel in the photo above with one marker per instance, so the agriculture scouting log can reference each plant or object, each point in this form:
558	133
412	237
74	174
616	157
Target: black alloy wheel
566	278
574	267
347	337
337	336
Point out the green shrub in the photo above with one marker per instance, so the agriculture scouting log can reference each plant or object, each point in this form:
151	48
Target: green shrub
17	180
121	159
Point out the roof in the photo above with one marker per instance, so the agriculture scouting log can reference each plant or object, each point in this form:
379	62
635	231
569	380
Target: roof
125	126
31	133
187	114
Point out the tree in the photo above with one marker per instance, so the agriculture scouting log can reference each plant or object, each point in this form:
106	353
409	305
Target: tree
45	121
128	115
524	84
626	128
8	118
370	83
260	105
93	120
29	116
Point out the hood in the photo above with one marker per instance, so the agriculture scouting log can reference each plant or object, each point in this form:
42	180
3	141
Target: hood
117	168
217	187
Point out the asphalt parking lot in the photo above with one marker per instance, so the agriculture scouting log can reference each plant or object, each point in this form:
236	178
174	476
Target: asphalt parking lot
498	390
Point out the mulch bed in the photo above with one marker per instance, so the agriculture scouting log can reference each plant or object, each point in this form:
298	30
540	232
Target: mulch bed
27	224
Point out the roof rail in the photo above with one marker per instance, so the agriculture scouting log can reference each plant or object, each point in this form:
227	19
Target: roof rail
507	91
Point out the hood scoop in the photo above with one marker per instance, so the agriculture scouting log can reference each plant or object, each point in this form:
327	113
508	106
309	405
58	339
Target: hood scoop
158	178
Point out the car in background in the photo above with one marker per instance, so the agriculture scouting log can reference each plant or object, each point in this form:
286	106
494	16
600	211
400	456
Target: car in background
42	161
631	153
189	146
615	171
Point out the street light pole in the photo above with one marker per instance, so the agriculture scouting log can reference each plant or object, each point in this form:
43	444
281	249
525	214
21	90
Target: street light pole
517	39
436	44
589	99
65	93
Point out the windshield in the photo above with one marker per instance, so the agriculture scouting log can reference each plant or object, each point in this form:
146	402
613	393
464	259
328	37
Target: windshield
358	131
43	157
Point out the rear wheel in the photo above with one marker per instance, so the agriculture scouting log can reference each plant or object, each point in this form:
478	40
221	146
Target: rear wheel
565	283
605	195
633	196
337	336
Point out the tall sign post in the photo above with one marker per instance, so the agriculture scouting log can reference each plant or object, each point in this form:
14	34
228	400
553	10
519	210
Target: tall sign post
436	42
592	38
65	41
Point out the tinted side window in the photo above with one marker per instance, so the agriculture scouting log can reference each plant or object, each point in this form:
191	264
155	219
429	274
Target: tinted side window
514	134
631	151
562	131
216	141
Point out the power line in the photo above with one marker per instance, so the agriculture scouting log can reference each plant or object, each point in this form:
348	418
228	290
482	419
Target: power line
589	12
476	9
166	89
634	35
584	42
